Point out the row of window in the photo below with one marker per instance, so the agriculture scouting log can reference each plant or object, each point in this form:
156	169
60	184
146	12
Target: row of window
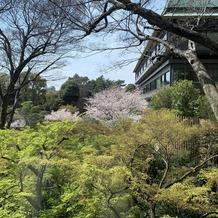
157	83
212	35
147	61
181	72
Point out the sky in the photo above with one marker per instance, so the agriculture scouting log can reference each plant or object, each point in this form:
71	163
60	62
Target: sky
91	66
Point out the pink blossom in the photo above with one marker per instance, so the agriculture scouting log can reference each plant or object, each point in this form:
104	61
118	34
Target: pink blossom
115	102
60	115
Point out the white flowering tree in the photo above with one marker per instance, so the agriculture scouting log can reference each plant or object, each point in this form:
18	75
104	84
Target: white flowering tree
61	115
113	103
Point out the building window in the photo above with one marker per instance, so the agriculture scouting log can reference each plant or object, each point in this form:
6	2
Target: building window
212	70
144	91
162	79
167	78
213	35
158	82
153	85
148	88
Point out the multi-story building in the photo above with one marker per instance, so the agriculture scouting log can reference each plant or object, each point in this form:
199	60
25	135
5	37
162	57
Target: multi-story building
157	66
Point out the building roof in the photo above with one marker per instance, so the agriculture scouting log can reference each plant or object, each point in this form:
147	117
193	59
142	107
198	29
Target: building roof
182	8
191	3
191	8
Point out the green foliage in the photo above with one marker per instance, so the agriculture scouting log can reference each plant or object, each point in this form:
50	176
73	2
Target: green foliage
101	84
130	87
77	89
194	198
34	90
70	92
162	98
184	99
53	100
159	151
31	114
204	109
27	157
91	169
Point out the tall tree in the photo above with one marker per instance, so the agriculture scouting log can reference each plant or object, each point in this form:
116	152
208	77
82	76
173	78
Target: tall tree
83	84
77	89
100	84
33	38
34	90
26	170
70	92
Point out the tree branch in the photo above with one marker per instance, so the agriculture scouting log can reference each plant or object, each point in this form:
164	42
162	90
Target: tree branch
32	202
159	21
193	170
9	159
209	213
165	172
34	170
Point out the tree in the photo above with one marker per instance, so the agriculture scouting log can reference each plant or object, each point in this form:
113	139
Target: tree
77	89
30	113
130	87
28	160
33	38
162	98
164	153
100	84
113	103
53	100
34	90
61	115
70	92
83	91
183	98
95	169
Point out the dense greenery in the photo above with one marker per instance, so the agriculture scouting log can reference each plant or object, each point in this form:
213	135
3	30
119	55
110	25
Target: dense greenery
184	99
36	99
158	167
163	165
77	89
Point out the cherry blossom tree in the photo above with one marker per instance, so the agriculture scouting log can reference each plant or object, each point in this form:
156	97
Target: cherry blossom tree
60	115
113	103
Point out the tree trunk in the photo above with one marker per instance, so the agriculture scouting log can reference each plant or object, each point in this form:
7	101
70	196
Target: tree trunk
14	107
4	110
39	186
114	210
205	80
38	202
152	210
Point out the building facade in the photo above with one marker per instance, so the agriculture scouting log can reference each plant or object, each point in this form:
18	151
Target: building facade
157	67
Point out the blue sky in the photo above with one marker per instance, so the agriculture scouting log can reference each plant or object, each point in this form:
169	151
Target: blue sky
91	66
